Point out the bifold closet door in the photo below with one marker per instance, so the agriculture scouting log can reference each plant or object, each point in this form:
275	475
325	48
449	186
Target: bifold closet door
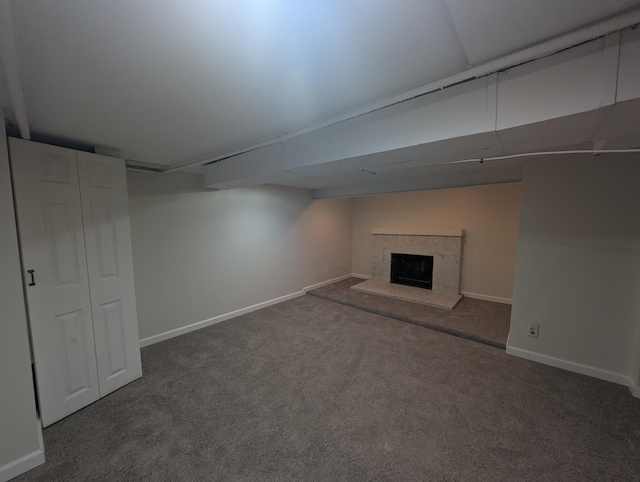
76	247
50	223
103	189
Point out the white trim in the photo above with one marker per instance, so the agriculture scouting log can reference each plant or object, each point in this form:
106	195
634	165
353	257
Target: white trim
21	465
40	438
419	232
572	366
495	299
325	283
216	319
360	276
634	388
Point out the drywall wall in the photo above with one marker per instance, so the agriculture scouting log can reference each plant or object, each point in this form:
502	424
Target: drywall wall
488	215
200	254
20	446
578	265
634	384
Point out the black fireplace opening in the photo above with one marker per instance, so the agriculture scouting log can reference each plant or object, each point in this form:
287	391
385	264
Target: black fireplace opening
412	270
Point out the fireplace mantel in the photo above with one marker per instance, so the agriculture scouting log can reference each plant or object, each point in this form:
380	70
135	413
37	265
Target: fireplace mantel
418	232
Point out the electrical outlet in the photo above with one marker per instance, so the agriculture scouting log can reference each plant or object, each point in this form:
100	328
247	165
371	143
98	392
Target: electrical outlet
534	330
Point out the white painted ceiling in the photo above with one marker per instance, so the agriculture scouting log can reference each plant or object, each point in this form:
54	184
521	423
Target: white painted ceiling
491	28
173	81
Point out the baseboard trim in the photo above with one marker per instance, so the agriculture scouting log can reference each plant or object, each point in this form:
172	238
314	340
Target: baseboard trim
216	319
634	388
328	282
21	465
478	296
360	276
572	366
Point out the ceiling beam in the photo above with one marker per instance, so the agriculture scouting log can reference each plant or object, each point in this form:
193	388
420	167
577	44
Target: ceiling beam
9	57
535	52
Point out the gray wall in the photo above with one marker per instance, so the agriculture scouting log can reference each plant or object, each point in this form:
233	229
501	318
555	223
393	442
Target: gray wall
19	429
199	254
578	265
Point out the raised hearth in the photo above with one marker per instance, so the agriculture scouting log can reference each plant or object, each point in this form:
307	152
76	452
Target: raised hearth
409	293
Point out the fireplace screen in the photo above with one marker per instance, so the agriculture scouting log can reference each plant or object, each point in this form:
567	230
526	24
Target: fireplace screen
412	270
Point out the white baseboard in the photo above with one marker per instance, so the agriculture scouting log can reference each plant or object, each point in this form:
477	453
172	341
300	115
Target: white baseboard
360	276
243	311
573	366
635	389
216	319
328	282
478	296
22	465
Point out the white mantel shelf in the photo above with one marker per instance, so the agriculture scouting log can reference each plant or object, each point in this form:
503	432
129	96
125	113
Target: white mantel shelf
419	232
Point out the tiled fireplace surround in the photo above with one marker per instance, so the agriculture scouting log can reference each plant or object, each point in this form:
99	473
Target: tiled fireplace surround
444	245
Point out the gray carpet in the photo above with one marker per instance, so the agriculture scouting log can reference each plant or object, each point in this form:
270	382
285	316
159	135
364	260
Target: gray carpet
482	321
315	390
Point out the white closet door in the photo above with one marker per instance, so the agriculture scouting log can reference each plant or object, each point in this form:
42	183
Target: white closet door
53	249
103	188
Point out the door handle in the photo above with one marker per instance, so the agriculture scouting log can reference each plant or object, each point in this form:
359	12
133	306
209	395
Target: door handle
33	281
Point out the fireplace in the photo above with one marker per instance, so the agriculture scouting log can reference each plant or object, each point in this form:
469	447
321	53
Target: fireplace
418	258
412	270
445	247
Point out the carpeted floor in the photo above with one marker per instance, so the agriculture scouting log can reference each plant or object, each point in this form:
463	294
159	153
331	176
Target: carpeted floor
315	390
481	321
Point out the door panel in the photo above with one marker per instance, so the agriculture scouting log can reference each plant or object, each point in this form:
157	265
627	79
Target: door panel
113	328
52	240
108	244
62	240
69	333
106	240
